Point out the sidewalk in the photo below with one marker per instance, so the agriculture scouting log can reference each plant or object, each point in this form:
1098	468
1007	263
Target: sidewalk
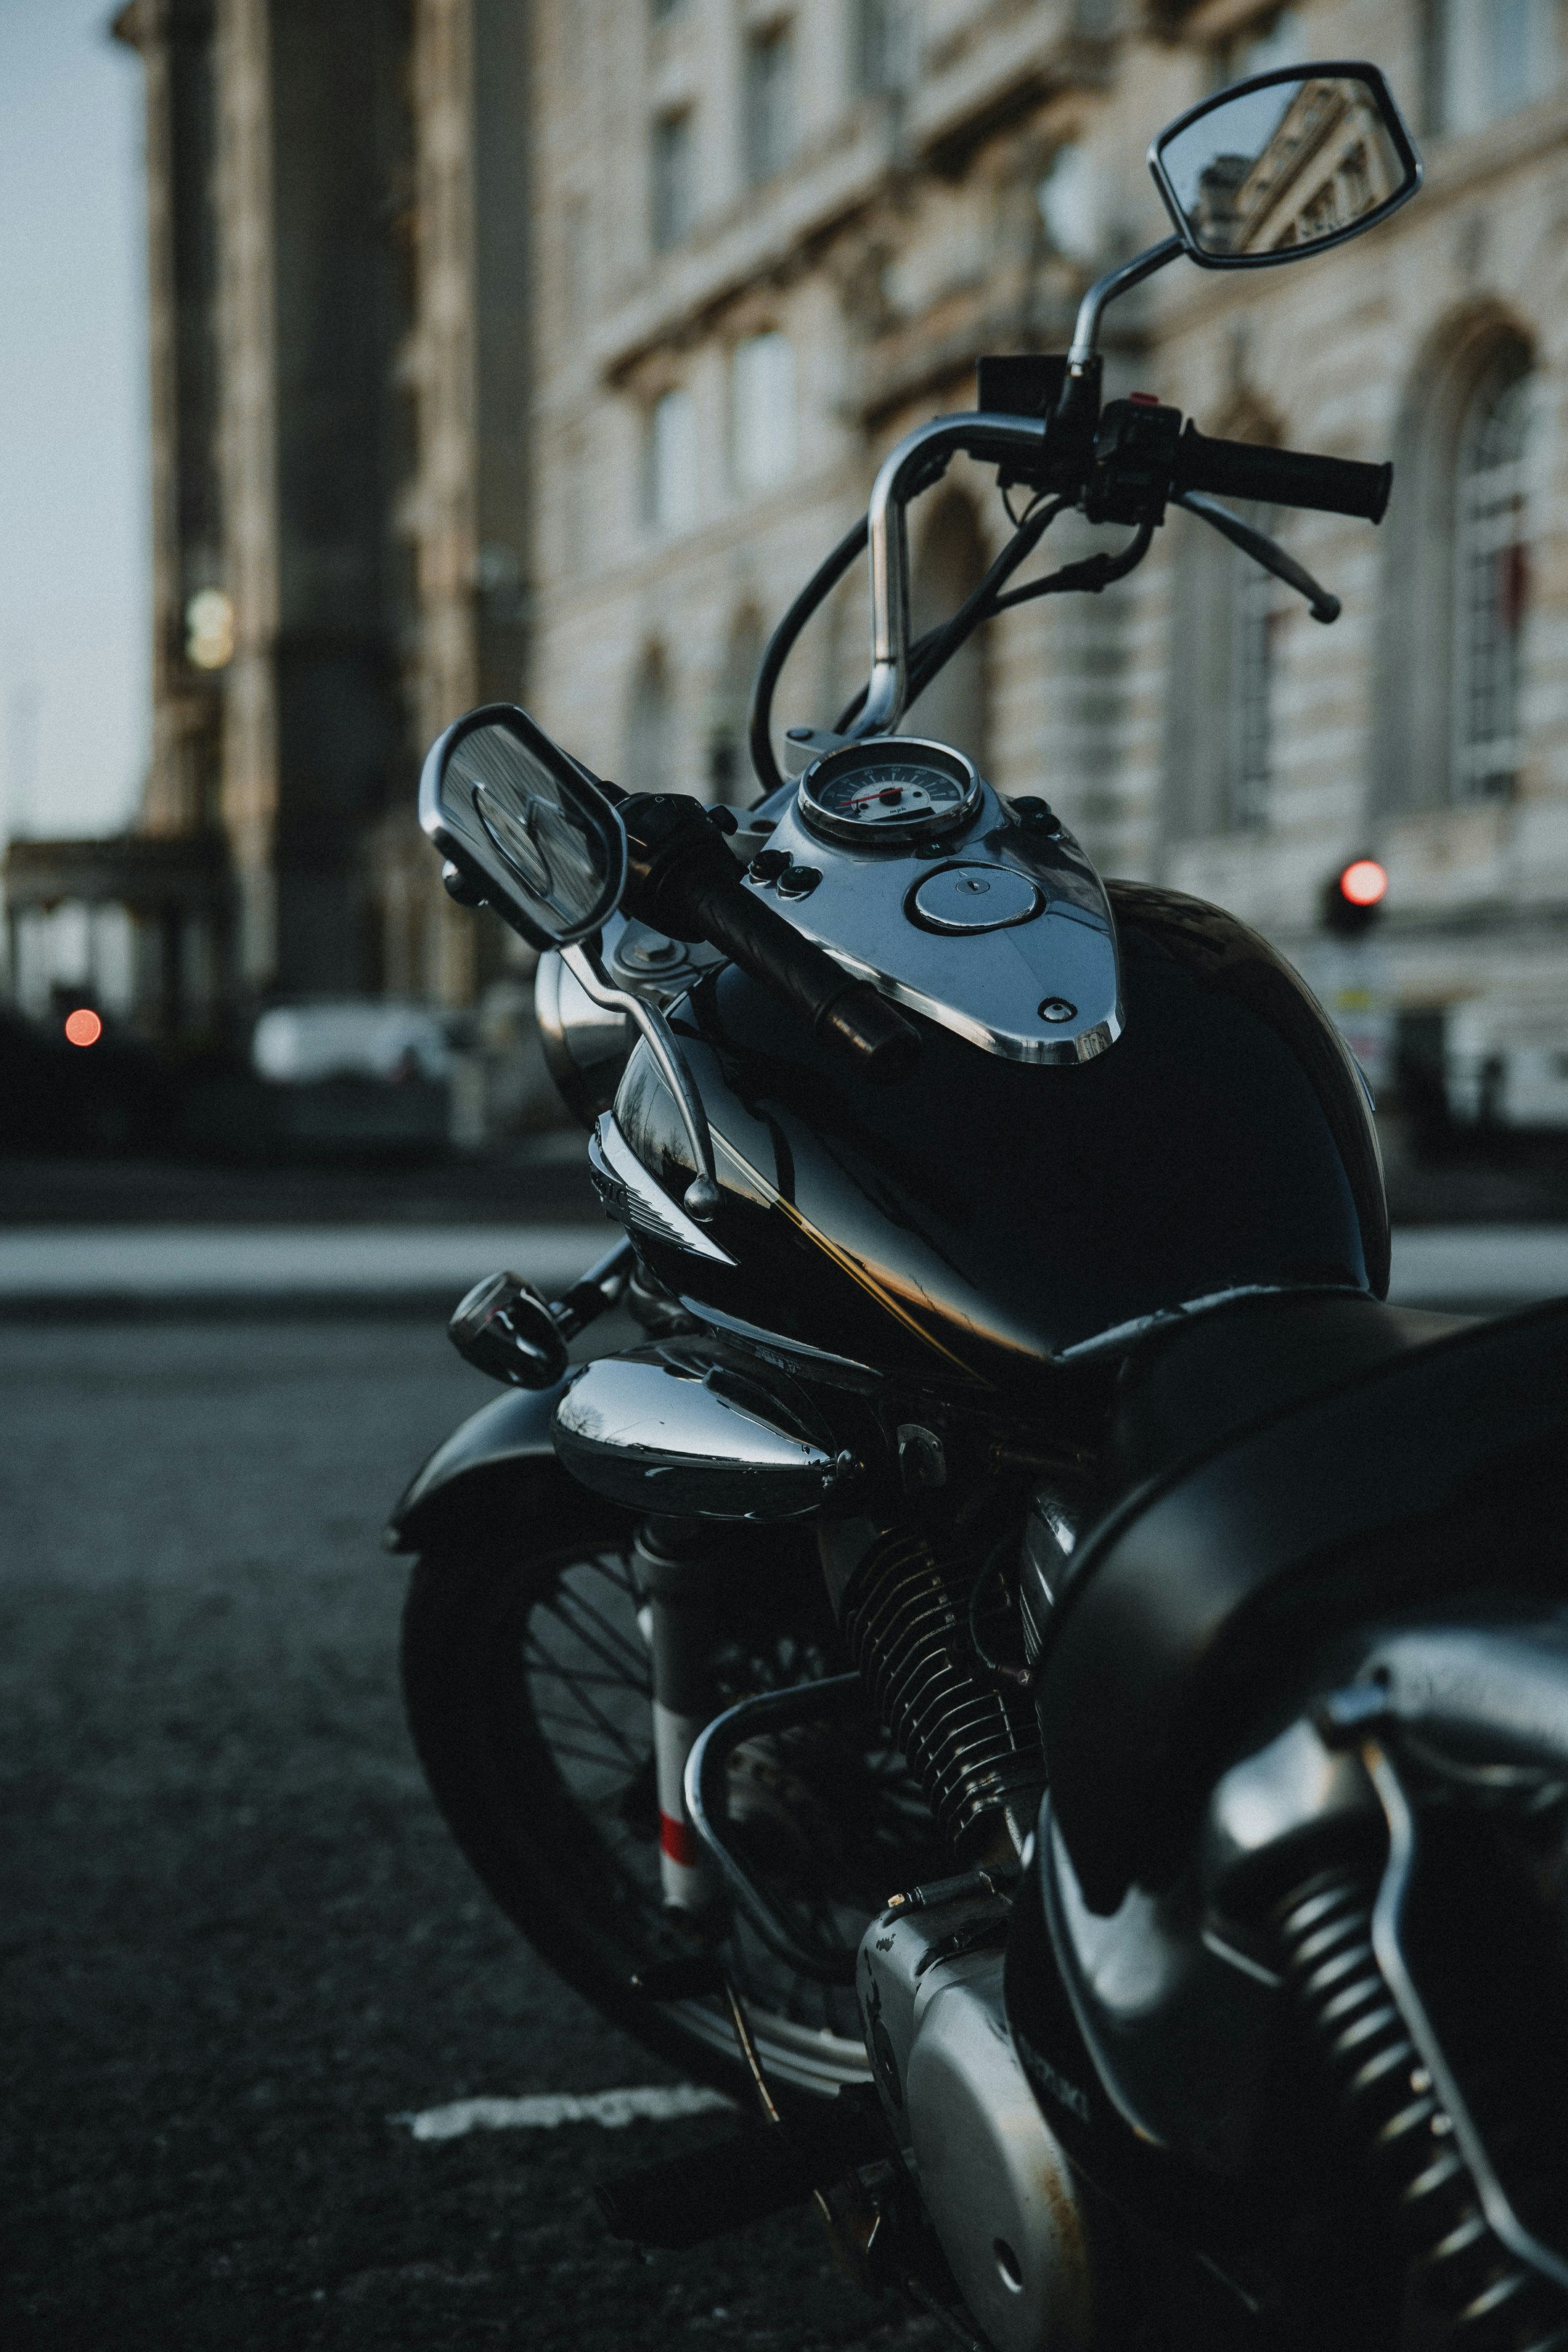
1479	1269
273	1270
314	1269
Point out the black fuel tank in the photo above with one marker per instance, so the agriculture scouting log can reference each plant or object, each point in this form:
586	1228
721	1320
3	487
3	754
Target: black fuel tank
982	1219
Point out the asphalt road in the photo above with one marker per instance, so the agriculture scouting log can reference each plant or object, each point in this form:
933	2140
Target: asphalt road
236	1943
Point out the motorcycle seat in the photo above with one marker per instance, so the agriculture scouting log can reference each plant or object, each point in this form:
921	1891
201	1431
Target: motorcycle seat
1191	1383
1401	1460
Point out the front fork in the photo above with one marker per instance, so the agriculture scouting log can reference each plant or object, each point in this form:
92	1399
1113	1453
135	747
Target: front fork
677	1570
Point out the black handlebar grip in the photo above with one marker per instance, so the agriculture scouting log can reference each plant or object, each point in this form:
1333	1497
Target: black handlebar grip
1281	478
849	1012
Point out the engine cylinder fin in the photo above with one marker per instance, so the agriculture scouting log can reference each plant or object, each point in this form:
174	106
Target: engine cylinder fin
976	1750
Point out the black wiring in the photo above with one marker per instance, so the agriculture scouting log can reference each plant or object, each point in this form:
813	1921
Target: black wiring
781	644
932	652
936	649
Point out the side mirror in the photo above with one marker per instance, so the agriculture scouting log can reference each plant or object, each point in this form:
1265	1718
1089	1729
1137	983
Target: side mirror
1285	164
522	827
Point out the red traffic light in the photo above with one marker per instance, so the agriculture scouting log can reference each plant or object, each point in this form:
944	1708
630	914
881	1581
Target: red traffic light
1353	898
83	1026
1363	883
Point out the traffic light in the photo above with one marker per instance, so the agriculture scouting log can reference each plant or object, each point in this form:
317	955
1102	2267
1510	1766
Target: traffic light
1353	898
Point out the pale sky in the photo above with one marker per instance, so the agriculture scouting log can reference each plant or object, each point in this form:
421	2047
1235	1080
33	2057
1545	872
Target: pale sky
73	423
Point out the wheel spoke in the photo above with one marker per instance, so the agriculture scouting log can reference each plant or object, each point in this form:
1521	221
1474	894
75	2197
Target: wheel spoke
588	1677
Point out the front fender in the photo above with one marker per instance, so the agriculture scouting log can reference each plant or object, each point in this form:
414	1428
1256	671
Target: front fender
477	1479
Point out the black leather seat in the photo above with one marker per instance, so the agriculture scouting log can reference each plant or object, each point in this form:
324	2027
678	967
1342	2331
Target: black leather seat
1185	1387
1297	1469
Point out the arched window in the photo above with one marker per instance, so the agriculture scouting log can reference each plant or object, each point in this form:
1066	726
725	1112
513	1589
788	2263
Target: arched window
730	774
762	411
1224	659
1490	581
650	726
671	496
950	562
1455	582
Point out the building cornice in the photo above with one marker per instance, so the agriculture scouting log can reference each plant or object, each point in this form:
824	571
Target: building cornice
1005	73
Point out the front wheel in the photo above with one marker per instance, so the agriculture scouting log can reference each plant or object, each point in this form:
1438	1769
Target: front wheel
527	1682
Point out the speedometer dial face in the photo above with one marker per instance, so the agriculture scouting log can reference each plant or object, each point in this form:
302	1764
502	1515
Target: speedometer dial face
889	790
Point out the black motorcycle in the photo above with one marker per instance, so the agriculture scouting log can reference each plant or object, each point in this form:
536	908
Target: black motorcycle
1032	1662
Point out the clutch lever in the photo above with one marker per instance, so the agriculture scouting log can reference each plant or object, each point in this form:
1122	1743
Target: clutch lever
702	1197
1323	603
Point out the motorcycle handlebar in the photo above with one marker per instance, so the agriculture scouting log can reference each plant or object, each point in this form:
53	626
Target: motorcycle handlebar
848	1012
1284	477
681	878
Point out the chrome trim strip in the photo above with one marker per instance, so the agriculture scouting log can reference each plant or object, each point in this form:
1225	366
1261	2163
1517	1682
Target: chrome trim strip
642	1204
755	1336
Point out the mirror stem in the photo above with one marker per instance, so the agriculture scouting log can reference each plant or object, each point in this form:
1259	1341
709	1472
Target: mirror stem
1105	290
703	1193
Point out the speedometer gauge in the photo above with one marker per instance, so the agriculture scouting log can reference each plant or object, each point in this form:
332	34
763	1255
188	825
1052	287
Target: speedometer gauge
893	790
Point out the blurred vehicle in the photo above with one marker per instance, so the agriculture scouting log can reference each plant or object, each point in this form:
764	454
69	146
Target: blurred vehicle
1506	1065
351	1075
351	1037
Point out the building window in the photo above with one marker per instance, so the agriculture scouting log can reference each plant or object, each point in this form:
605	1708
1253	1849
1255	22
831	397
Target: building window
671	494
1455	553
950	563
1220	754
673	180
1254	630
1490	578
576	259
883	35
1269	41
770	102
650	726
762	412
1071	198
1486	58
729	759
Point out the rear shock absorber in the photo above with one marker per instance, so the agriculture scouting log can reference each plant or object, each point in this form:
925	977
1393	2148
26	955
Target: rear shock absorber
1493	2300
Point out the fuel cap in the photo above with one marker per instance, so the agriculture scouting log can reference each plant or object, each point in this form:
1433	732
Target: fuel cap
975	898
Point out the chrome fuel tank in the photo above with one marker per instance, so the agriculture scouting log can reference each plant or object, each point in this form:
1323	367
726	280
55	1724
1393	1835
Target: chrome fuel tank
985	1220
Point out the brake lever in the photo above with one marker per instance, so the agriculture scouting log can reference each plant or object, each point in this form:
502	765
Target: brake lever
1324	605
702	1198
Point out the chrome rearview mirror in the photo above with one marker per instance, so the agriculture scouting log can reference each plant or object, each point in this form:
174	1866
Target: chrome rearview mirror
1285	164
522	827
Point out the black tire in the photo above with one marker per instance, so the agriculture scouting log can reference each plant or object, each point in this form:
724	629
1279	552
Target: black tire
555	1813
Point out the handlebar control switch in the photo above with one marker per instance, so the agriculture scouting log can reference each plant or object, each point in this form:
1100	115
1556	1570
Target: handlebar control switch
682	880
1135	459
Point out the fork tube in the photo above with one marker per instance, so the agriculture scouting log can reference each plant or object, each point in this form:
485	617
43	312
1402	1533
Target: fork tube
678	1573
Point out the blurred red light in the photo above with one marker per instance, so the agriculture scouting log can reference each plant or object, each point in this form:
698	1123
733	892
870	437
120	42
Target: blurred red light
1363	882
83	1027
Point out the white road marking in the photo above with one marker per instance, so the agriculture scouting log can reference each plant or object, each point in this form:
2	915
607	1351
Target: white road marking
547	2109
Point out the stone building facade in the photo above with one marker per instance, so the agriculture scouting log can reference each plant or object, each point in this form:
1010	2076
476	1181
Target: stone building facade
505	349
772	238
